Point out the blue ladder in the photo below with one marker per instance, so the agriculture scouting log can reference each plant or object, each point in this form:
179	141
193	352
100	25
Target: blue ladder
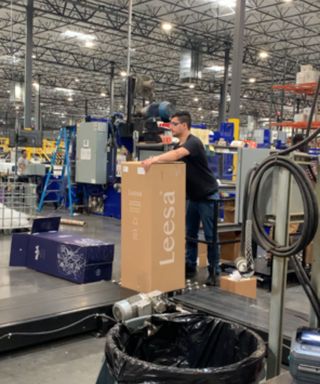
66	133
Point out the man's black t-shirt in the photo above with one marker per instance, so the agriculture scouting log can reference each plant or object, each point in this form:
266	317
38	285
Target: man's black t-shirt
200	181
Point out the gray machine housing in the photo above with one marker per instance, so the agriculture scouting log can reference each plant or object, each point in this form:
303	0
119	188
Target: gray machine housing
91	154
305	361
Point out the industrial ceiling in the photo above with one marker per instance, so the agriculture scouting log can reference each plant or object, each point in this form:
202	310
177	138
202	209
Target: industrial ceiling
74	73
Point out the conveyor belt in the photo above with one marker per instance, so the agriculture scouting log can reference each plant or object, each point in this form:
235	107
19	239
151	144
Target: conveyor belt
242	310
56	308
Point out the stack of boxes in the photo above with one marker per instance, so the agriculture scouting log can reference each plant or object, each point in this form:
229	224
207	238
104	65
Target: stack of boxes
307	75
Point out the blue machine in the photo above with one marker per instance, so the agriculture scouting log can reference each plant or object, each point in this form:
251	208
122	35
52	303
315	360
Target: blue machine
226	131
262	137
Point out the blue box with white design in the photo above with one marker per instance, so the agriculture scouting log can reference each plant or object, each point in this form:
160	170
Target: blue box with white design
65	255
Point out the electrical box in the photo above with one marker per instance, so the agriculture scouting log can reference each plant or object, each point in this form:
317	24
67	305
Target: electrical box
91	157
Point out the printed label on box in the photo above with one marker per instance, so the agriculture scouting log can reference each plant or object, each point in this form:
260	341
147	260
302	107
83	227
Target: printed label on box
141	171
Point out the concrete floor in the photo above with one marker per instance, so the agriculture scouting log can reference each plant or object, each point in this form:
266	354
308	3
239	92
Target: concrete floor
76	360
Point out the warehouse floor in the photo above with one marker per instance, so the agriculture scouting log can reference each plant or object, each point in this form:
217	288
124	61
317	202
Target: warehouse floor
75	360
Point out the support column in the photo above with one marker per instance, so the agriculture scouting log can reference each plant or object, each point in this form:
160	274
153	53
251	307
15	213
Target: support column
112	88
224	87
28	66
129	79
237	57
279	276
86	112
38	125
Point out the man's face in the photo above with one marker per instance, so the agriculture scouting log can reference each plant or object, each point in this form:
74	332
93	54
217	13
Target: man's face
24	154
177	128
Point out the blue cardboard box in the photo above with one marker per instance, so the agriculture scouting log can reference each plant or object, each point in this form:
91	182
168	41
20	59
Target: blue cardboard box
69	256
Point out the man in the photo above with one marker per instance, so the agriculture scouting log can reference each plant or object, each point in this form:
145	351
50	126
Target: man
22	165
202	194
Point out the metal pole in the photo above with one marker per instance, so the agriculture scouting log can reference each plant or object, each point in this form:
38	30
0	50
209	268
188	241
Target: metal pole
315	273
279	276
282	92
128	109
224	87
86	107
237	57
112	88
28	66
38	125
129	37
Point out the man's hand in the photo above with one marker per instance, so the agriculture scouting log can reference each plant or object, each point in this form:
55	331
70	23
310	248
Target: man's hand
148	162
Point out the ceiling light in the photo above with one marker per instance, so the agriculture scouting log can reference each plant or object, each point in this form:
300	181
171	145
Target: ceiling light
226	3
191	86
195	99
70	98
215	68
166	26
147	102
8	91
123	73
89	44
199	109
64	90
79	35
252	80
10	59
17	107
102	94
120	106
34	56
76	80
202	117
36	85
287	1
263	54
215	112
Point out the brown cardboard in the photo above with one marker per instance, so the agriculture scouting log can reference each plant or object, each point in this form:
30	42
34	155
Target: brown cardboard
309	255
153	227
244	287
229	211
202	255
232	250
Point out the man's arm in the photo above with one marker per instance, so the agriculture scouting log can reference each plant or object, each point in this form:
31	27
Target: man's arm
166	157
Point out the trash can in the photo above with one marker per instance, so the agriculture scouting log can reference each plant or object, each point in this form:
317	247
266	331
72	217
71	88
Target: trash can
182	349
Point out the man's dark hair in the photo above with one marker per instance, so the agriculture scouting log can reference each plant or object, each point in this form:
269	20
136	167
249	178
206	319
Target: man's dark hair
23	151
184	117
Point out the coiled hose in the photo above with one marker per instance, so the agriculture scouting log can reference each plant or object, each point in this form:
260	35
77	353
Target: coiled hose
253	222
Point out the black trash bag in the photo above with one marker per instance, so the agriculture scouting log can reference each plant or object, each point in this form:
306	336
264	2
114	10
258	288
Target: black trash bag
184	349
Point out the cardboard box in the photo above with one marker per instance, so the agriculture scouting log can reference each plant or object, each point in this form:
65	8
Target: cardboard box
244	287
202	255
232	250
153	227
229	211
63	255
309	254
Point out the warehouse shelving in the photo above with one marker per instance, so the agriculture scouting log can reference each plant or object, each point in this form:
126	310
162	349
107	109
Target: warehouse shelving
307	89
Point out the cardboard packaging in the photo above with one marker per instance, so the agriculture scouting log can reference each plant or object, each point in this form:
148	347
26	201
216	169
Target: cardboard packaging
202	255
63	255
244	287
153	227
232	250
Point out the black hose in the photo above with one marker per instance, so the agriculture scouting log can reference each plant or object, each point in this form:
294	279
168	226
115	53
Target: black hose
307	287
252	215
310	205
